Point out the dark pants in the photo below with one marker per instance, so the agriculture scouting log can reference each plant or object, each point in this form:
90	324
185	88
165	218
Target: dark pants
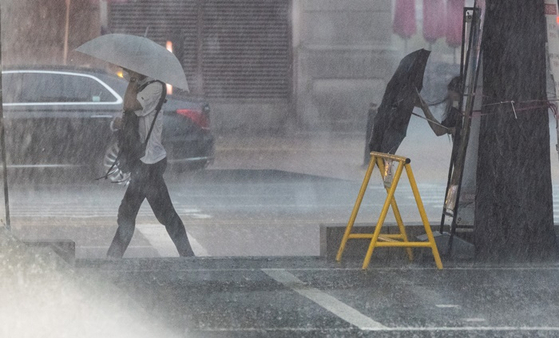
147	183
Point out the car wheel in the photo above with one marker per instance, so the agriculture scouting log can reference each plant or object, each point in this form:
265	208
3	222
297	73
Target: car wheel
111	169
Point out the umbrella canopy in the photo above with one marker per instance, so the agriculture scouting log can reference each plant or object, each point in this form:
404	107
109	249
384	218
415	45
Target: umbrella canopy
394	113
138	54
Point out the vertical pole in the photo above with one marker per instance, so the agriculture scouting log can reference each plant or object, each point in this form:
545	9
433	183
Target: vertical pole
3	140
66	33
475	38
103	16
199	89
464	68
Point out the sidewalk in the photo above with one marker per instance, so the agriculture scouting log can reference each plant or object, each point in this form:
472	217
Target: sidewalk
337	155
271	297
279	296
340	154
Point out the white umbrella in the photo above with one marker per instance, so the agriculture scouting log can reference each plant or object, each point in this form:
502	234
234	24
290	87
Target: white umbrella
138	54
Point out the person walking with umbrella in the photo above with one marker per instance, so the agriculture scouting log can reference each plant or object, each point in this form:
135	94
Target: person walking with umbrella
146	180
148	66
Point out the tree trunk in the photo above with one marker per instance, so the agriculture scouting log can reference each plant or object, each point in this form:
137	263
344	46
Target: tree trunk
514	204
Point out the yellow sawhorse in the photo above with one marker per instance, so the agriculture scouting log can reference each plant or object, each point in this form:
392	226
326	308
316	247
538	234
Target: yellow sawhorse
390	240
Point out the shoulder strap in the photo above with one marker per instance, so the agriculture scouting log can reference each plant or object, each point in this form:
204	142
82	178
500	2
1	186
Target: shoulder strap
157	108
142	87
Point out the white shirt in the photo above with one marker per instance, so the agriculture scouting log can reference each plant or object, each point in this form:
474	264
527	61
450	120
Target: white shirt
148	98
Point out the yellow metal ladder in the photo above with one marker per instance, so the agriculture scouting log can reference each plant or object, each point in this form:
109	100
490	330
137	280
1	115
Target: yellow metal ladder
389	240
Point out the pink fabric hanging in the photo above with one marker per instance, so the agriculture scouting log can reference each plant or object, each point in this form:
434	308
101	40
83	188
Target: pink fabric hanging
404	18
433	20
454	15
109	1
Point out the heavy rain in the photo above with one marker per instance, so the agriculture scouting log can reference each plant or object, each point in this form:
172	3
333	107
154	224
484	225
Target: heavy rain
330	183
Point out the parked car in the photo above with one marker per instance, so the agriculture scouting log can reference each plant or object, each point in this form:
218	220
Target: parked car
60	117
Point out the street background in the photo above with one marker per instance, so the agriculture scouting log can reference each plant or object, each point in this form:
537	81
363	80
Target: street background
256	213
264	195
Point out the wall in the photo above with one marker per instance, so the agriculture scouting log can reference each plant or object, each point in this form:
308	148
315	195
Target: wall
343	58
33	31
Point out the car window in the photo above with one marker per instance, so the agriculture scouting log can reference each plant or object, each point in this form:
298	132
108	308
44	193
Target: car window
51	87
82	88
116	83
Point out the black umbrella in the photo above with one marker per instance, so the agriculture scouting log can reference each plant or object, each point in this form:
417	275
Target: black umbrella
394	113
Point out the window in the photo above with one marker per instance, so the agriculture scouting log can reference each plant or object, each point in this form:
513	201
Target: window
53	87
229	49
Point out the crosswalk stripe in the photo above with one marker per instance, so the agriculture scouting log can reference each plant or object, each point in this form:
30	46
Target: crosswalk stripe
323	299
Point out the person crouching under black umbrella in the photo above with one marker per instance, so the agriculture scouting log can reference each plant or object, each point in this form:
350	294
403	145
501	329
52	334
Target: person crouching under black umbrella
142	96
452	119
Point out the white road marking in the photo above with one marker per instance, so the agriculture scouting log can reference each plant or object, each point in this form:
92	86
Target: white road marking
388	329
198	249
159	239
359	269
447	306
328	302
75	209
474	319
200	216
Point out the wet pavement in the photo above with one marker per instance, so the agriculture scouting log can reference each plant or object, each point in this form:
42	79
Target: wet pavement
226	213
296	296
264	195
314	297
272	297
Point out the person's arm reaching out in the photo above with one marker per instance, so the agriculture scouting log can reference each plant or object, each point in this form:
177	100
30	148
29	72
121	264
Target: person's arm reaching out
435	125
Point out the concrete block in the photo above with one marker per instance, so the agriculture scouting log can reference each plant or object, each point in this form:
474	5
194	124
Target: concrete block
461	249
331	237
65	248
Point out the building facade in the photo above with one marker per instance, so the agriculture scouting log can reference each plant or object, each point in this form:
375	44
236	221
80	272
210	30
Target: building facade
264	65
